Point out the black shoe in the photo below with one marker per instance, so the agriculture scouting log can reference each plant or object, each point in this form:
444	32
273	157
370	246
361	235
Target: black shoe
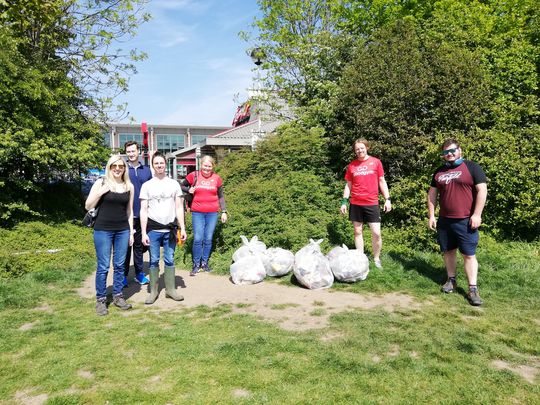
205	267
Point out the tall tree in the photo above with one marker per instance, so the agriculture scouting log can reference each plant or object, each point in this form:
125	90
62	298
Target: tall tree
55	59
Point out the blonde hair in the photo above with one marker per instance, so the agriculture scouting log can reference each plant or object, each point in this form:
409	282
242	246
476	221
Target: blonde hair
207	158
109	178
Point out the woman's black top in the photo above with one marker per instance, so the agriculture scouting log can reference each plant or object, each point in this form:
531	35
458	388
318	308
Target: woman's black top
112	215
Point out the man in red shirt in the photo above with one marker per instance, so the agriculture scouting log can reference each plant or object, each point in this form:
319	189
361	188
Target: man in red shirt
365	177
460	186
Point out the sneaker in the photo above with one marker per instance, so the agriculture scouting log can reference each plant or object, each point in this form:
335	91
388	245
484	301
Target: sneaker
449	286
101	307
125	282
205	267
378	263
141	278
474	298
121	303
194	270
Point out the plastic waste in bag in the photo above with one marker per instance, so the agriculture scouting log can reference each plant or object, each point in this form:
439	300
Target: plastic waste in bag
348	265
278	262
311	267
248	270
248	248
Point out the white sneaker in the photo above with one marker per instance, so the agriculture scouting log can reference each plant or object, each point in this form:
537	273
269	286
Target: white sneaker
378	263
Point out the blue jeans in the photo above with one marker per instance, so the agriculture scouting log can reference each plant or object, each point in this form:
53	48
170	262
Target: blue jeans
168	241
204	224
106	242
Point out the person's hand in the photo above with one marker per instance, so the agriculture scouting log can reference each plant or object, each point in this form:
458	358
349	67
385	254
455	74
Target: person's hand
432	223
145	239
475	221
387	206
343	209
192	190
131	240
104	189
183	234
223	217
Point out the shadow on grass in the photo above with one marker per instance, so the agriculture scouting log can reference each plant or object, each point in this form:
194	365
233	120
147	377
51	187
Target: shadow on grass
420	266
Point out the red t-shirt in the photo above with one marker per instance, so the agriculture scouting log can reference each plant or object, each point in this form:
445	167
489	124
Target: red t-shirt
205	198
364	176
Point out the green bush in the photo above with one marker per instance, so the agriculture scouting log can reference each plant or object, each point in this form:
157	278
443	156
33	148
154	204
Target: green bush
281	192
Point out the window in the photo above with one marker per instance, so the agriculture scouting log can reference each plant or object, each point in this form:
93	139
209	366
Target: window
198	138
169	143
123	138
107	139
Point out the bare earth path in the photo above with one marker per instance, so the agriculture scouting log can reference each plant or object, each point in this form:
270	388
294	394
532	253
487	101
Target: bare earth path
290	307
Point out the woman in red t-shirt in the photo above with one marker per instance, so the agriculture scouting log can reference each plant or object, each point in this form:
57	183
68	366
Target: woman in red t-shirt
207	189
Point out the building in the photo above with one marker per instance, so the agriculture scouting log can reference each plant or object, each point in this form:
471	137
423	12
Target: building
183	145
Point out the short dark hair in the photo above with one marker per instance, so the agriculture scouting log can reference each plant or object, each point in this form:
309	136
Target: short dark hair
158	154
129	143
448	142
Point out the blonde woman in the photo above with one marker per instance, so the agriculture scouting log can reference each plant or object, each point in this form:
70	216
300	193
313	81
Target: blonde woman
207	189
113	230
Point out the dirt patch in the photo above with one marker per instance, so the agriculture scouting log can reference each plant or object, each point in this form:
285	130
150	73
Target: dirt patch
526	372
26	398
85	374
28	326
290	307
240	393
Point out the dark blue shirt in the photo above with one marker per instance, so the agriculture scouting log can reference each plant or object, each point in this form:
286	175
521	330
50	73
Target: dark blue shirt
138	176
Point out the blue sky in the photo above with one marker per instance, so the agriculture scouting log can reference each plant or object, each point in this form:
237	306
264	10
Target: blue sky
196	62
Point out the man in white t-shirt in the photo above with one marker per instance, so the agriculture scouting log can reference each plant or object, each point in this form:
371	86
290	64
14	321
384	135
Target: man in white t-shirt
162	213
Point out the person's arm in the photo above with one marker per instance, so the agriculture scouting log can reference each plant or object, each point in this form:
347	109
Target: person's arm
99	188
431	205
383	186
346	195
179	200
143	217
481	197
222	205
130	214
185	186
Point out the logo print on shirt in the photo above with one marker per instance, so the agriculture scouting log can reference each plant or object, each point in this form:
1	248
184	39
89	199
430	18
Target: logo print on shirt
448	177
362	170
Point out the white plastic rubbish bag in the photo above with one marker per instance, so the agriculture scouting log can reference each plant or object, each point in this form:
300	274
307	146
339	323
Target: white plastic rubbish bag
254	246
278	262
248	270
311	267
348	265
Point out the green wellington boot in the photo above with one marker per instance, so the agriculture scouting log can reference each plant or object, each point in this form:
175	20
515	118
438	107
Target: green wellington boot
170	287
154	286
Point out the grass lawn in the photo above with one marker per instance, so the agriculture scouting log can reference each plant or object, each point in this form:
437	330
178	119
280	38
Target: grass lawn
55	350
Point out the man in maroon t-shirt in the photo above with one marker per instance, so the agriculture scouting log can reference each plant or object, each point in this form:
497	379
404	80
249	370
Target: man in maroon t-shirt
460	186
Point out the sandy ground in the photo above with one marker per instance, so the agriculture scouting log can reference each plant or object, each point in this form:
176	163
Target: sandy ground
290	307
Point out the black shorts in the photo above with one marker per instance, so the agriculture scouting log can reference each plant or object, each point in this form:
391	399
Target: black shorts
365	213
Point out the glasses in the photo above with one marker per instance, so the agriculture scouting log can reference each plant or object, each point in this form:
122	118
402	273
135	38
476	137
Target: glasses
448	151
118	166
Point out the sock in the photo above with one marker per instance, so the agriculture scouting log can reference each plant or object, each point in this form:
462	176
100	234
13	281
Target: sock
452	279
472	287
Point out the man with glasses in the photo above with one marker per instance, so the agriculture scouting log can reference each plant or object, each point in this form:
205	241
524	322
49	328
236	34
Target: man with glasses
460	187
138	174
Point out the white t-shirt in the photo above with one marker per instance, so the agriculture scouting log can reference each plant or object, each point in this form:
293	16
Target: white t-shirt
161	196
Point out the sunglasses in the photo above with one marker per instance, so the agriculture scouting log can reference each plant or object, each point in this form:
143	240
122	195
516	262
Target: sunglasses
448	151
118	166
